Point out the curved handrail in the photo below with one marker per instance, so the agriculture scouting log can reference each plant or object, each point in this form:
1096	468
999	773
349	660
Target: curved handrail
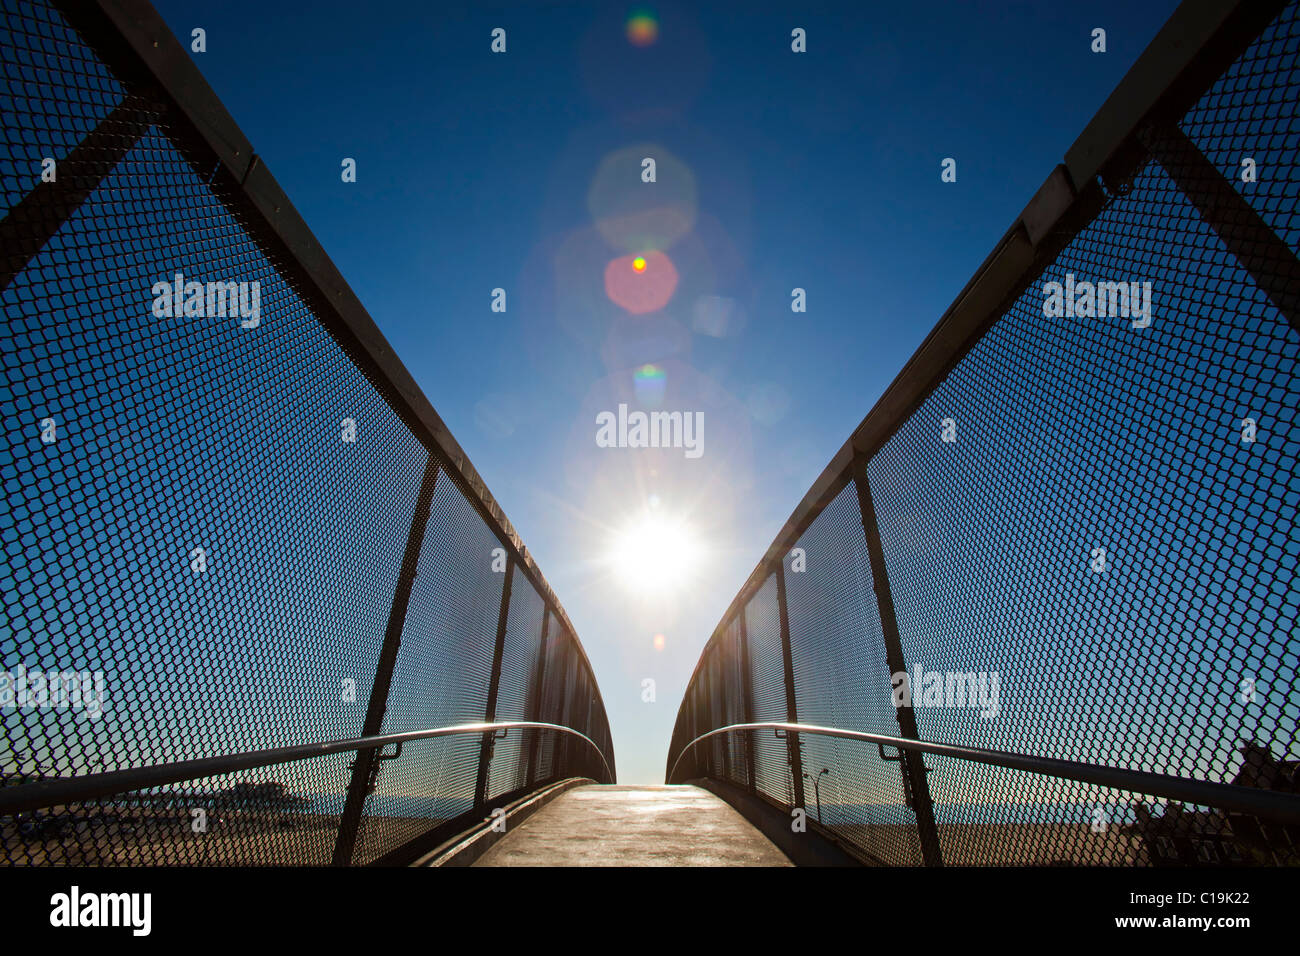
1271	803
59	790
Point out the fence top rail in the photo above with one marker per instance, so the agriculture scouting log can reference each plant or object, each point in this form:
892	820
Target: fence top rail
1258	802
135	41
1172	57
61	790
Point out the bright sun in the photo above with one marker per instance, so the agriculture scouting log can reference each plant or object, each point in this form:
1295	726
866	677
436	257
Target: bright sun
655	554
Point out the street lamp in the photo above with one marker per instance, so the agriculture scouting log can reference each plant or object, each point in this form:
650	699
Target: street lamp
817	790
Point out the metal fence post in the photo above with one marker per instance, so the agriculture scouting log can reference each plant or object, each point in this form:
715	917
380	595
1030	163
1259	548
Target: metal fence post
912	762
791	708
1261	252
494	686
366	765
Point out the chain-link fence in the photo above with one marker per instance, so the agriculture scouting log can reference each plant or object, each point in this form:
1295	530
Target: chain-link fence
232	522
1068	530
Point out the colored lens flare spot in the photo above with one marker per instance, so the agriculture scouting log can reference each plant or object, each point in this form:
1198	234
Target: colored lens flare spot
648	373
659	642
648	288
649	382
642	28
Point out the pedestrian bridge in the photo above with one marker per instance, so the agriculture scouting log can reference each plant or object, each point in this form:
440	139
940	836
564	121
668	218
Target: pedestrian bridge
1040	609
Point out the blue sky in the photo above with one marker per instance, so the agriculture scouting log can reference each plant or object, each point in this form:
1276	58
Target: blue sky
817	170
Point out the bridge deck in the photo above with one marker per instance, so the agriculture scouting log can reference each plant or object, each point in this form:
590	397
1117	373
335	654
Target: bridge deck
635	826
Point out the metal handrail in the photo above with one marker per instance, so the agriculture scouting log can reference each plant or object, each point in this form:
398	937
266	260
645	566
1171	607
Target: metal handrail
1257	802
60	790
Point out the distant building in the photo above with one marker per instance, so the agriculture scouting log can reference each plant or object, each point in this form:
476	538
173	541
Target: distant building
1267	841
262	796
1182	837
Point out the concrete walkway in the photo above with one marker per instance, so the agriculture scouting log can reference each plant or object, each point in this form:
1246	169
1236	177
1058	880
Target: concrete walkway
635	826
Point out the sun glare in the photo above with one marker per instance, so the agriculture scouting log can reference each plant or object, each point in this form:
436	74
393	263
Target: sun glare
655	554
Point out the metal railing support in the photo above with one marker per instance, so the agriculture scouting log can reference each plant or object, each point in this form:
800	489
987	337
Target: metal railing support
1268	259
795	754
60	791
913	762
539	684
494	687
40	214
365	767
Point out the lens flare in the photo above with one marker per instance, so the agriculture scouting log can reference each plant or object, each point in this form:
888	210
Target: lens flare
648	372
644	289
633	217
649	382
659	642
642	28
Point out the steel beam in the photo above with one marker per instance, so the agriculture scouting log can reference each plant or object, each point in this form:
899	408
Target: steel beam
494	686
795	754
1259	250
40	214
913	762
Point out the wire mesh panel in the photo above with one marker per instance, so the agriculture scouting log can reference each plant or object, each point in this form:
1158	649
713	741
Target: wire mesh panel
1038	821
556	657
56	93
763	627
698	723
599	733
1108	537
218	596
719	746
515	696
567	703
841	679
278	816
209	493
1252	113
583	705
442	677
1080	542
730	698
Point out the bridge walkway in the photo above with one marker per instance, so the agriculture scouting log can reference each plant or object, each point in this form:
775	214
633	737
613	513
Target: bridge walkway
602	825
